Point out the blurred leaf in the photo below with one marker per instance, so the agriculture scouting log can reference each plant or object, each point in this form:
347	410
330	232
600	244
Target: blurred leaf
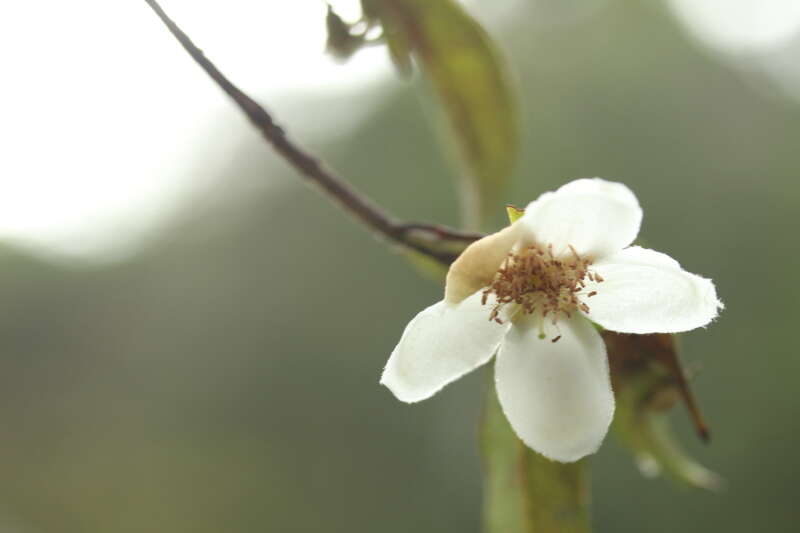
399	50
468	74
395	39
524	491
342	42
648	381
371	10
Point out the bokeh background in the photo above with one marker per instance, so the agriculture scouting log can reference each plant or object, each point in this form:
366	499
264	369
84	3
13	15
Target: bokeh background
218	372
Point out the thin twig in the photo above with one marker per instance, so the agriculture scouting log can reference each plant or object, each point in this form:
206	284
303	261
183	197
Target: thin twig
406	235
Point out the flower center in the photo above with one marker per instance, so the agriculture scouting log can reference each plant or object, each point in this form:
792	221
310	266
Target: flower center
536	280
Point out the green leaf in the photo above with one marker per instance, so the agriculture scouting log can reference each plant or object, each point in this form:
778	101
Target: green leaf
525	492
468	75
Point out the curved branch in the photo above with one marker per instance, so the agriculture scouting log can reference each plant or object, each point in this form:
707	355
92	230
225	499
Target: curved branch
430	240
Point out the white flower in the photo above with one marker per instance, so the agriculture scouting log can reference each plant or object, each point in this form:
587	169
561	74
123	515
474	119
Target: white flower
526	292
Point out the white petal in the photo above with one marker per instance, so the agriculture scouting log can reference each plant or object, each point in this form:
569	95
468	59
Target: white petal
478	263
595	216
439	345
557	396
644	291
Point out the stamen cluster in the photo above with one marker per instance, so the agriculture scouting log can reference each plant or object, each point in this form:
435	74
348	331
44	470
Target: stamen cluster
536	279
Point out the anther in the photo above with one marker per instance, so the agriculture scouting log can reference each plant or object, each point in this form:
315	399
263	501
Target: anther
537	280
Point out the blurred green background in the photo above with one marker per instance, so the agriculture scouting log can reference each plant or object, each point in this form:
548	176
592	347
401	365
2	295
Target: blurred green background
226	377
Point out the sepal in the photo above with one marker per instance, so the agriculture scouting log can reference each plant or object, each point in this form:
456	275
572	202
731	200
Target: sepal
648	381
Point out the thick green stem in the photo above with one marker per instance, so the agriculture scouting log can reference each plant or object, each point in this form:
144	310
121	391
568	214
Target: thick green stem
523	491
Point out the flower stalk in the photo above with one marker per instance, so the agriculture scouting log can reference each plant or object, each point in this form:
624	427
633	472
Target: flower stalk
523	491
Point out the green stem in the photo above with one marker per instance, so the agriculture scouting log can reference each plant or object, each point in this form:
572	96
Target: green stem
525	492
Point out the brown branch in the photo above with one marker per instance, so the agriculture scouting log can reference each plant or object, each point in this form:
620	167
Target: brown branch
423	238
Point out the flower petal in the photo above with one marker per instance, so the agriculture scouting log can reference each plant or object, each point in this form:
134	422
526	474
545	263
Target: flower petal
644	291
595	216
439	345
478	263
557	396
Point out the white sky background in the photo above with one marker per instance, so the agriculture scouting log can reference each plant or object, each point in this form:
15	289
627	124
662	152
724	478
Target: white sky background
758	38
740	26
102	114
